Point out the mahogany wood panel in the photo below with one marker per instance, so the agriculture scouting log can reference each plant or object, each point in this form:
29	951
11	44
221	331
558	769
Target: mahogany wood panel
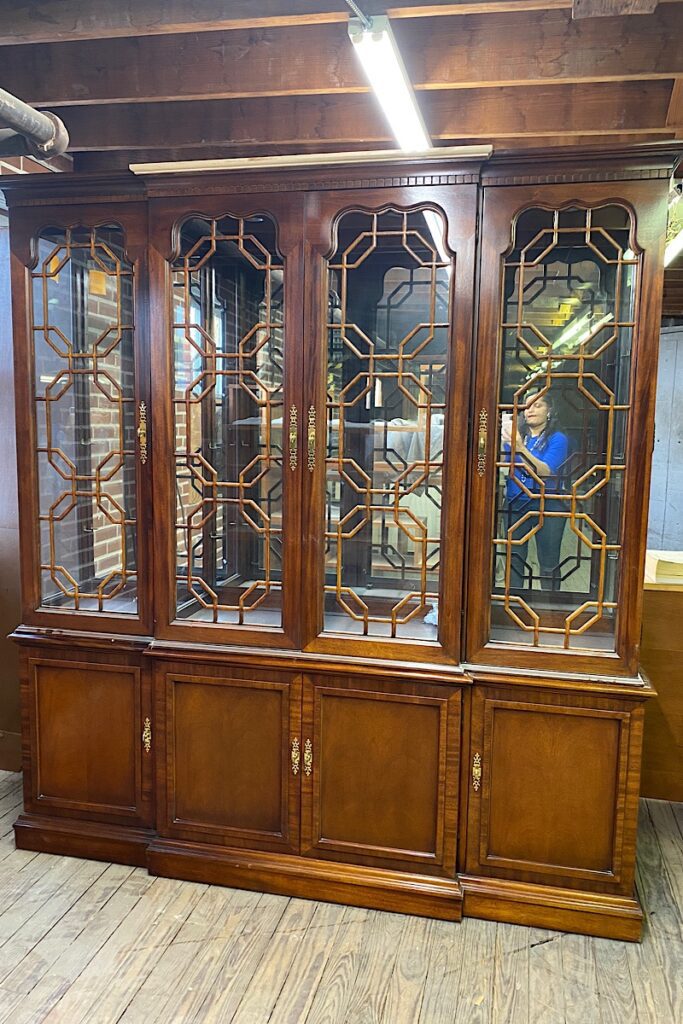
662	656
384	779
558	796
501	205
225	773
473	51
84	752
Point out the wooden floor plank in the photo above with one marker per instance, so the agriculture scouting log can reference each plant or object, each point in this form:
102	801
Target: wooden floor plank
546	995
473	998
511	974
579	980
111	979
616	997
296	996
670	844
38	917
332	996
64	972
224	989
267	981
407	985
67	930
443	974
381	940
107	944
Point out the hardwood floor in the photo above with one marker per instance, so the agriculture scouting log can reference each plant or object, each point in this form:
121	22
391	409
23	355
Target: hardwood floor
89	941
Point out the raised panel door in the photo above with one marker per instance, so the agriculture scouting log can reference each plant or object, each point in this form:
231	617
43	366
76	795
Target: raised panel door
553	788
89	724
226	772
380	778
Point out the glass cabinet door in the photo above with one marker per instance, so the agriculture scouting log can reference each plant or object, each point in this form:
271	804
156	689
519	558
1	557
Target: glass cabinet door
86	413
228	324
557	472
392	347
388	337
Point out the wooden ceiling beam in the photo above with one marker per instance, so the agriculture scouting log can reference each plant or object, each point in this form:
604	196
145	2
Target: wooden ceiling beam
472	51
611	8
674	114
487	114
54	21
103	160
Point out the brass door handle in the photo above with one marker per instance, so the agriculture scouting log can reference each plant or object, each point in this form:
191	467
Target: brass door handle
482	441
295	756
293	438
476	772
311	439
308	757
142	432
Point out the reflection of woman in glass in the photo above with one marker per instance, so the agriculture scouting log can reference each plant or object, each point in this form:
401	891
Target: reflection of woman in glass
541	449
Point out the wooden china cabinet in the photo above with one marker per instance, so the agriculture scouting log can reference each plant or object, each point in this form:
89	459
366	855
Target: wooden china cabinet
310	606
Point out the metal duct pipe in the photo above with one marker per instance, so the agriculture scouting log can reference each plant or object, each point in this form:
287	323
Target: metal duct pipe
32	132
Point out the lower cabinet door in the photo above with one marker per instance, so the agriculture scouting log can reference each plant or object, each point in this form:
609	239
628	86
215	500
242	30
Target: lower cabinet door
553	783
89	751
380	773
227	775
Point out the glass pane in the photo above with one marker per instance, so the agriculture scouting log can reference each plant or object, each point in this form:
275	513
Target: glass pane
570	287
387	354
82	319
228	344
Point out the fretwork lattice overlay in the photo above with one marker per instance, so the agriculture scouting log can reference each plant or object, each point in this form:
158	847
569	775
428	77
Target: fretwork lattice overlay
387	351
82	328
567	321
228	331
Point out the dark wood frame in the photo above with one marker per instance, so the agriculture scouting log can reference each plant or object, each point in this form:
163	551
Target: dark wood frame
26	224
501	206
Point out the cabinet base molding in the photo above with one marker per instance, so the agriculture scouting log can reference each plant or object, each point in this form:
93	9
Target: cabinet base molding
352	884
92	840
541	906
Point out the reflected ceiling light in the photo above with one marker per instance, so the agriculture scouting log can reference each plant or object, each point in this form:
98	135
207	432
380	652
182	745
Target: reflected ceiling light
374	43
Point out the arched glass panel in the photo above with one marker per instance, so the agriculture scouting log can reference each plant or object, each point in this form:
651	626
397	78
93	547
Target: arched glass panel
568	312
228	329
82	325
387	359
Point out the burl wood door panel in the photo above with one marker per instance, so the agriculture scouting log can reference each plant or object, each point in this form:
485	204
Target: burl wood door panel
228	774
557	797
383	778
86	722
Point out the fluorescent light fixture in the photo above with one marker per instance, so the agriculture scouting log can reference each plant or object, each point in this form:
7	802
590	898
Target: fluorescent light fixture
674	248
378	53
